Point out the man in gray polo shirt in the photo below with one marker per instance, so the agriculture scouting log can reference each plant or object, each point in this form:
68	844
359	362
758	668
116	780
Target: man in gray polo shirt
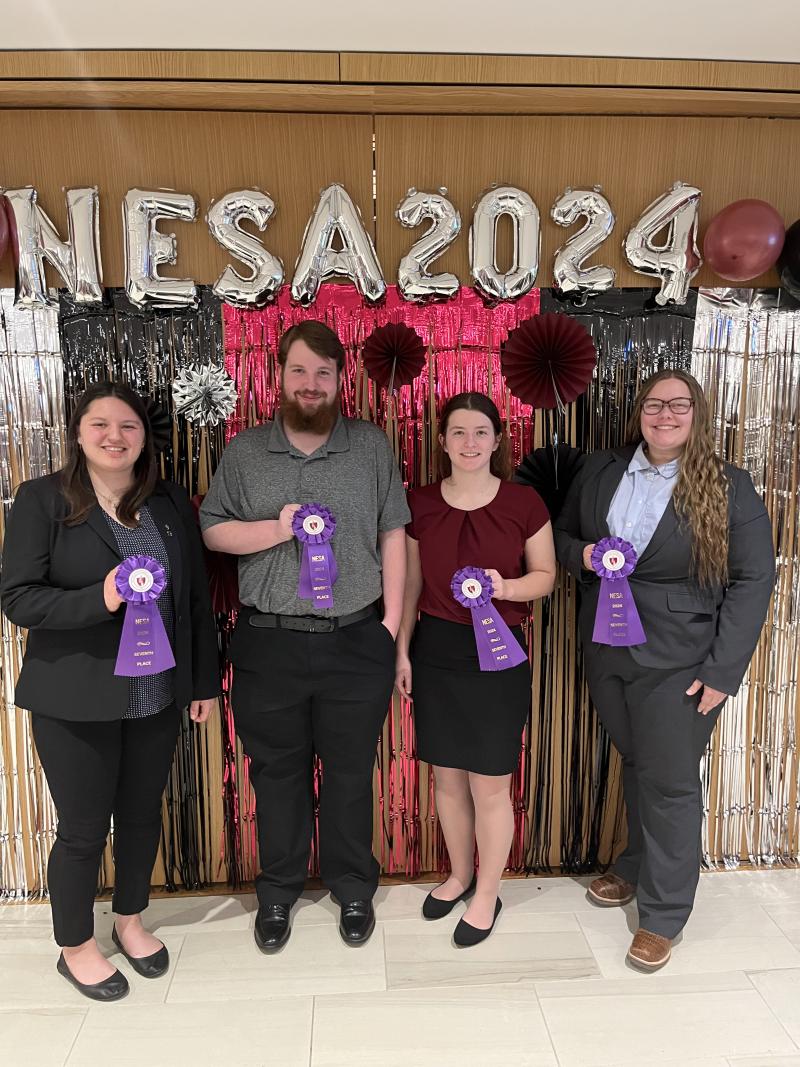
311	678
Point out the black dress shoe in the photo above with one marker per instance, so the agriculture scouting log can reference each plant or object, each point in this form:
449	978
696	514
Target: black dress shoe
115	987
434	908
152	966
357	922
272	927
465	936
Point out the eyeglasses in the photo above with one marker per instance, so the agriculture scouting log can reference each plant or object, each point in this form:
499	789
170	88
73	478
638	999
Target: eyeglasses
679	405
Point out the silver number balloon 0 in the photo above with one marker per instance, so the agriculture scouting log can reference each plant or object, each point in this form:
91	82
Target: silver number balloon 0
678	260
413	278
357	260
224	220
524	215
77	259
146	249
568	273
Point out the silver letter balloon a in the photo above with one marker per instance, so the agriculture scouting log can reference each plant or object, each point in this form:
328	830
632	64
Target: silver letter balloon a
77	260
357	260
146	249
224	220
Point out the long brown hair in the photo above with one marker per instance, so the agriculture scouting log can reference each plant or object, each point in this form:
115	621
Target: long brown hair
75	482
501	457
701	491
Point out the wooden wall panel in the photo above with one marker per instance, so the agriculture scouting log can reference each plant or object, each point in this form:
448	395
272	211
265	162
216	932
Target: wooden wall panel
177	63
438	68
204	153
634	159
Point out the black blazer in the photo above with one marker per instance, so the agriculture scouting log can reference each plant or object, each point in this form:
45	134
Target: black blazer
685	624
52	583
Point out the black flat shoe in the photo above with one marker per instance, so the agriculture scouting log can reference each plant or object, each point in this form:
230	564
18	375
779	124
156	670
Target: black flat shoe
115	987
465	936
434	908
152	966
357	922
272	927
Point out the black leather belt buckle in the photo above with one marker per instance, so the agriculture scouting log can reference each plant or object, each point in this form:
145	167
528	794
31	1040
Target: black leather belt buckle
307	625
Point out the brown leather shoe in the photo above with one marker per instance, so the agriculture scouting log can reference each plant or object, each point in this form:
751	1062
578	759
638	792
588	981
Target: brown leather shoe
611	891
649	951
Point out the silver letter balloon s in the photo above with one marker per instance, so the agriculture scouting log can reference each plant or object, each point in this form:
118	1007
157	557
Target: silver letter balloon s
77	260
678	260
146	249
224	220
357	259
568	273
524	215
413	278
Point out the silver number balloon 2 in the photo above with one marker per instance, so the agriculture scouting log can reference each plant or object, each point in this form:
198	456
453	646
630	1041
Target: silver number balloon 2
224	220
357	260
678	260
413	278
568	273
146	249
77	260
524	215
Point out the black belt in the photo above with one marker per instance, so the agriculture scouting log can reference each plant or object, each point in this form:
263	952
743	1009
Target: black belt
308	624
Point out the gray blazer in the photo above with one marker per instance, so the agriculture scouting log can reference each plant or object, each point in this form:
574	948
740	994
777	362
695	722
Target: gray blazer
716	628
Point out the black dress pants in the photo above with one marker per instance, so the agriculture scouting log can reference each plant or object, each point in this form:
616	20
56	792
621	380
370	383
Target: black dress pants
661	736
96	770
294	694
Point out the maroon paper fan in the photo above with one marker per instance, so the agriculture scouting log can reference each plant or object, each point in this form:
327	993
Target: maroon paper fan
393	355
548	360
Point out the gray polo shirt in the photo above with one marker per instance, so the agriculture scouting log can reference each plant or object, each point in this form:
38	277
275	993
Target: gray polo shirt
353	473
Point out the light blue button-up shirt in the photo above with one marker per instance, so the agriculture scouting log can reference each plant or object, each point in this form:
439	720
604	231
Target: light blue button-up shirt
641	499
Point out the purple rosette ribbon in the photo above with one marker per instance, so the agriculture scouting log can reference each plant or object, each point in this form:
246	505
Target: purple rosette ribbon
313	525
616	621
498	649
144	647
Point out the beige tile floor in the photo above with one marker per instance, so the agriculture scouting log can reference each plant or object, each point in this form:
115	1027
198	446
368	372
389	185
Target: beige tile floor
550	987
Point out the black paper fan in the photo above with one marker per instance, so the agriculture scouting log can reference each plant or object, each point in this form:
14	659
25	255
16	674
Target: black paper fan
550	471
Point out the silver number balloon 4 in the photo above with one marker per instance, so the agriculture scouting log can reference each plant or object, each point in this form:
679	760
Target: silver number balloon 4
676	261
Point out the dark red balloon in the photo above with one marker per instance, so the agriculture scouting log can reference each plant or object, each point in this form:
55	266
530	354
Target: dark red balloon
744	240
5	232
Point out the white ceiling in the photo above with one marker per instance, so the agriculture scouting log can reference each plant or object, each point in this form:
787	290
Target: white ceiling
697	29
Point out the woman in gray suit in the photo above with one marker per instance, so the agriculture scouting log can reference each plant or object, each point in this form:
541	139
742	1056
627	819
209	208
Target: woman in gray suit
702	583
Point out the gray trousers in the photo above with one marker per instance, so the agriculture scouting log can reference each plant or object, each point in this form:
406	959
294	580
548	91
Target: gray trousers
661	737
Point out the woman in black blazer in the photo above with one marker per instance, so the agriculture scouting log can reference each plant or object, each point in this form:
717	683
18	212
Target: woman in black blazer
701	584
105	741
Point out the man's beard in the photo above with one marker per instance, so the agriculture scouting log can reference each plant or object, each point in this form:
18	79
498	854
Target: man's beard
318	422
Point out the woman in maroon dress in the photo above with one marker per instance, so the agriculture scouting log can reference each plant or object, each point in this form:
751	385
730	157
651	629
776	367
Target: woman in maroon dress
469	722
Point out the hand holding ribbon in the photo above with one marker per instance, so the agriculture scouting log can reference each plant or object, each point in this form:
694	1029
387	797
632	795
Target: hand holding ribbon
144	647
498	649
313	525
616	621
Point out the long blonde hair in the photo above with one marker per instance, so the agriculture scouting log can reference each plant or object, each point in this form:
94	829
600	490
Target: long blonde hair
701	492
